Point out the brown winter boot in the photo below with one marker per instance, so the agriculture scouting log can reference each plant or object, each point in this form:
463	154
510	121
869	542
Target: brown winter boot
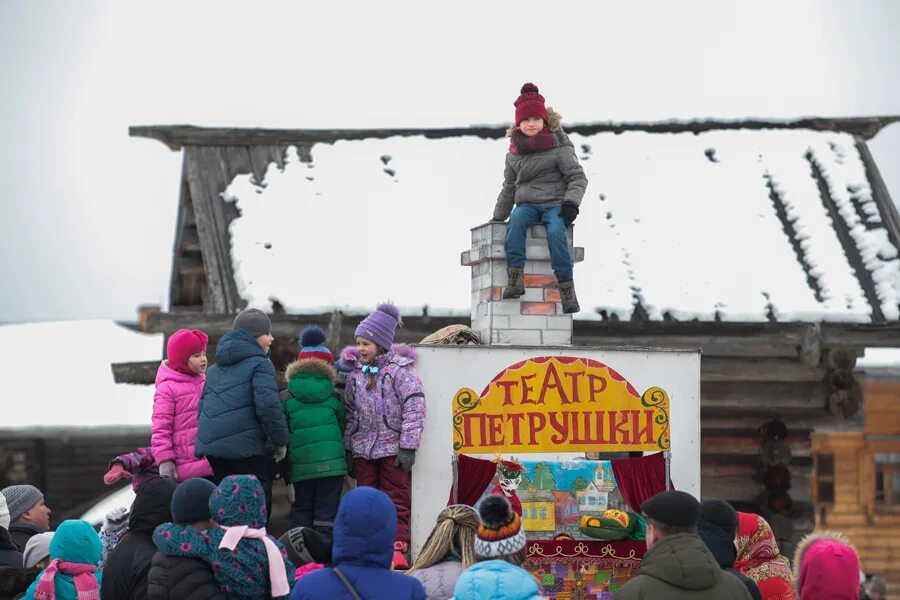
516	286
569	299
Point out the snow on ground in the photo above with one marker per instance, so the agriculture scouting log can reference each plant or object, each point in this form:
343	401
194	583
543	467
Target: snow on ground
682	222
58	374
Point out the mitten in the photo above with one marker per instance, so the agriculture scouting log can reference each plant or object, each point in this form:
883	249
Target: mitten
568	211
280	453
167	469
351	468
115	473
115	519
405	459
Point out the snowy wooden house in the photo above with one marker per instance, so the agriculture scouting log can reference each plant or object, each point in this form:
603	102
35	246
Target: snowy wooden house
770	245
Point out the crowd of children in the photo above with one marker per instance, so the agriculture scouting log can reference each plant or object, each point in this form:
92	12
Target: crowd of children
195	532
221	435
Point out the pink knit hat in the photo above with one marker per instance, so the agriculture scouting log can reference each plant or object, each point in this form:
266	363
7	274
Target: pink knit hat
183	344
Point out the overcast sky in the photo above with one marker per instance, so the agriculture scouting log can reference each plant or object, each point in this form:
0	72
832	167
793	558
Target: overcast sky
89	214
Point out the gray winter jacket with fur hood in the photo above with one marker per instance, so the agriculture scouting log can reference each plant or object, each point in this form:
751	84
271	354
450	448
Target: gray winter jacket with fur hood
547	177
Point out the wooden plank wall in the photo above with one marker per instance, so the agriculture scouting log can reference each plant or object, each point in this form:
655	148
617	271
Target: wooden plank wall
873	530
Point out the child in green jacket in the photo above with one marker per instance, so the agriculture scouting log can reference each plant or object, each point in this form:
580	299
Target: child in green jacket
316	421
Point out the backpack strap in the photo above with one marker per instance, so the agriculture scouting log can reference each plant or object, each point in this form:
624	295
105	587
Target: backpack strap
347	583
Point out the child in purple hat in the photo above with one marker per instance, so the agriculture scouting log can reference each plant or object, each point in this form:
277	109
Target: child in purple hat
385	406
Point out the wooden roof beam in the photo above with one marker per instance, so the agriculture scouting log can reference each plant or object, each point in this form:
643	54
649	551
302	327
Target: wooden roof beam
176	136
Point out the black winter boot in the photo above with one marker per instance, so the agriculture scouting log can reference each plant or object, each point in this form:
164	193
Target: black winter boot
516	286
568	297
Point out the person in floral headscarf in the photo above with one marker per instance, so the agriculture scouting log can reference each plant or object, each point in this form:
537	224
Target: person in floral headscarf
760	560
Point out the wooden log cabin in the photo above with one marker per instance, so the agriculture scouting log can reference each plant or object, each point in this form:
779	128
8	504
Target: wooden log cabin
856	476
798	276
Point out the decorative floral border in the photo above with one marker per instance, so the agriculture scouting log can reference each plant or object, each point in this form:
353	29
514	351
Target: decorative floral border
625	553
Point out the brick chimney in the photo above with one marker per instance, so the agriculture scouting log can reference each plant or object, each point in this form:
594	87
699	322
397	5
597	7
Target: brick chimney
536	318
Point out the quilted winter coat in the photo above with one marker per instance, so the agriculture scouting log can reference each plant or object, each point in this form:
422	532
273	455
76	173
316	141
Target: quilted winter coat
240	414
497	580
363	548
440	579
391	415
544	178
175	416
315	419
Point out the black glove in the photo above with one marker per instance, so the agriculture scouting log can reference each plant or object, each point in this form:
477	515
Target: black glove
351	470
568	211
405	459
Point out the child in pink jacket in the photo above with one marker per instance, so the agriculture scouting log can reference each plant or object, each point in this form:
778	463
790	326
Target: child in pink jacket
179	383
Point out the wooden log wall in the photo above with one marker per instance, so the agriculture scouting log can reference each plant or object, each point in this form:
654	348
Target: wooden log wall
68	466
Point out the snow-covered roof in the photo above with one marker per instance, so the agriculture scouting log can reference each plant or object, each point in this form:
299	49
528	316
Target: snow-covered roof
58	375
729	225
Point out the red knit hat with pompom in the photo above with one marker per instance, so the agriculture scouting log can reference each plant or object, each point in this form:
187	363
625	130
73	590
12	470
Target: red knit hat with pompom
530	104
183	344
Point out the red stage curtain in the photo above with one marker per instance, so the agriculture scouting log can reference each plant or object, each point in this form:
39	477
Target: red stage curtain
473	477
639	479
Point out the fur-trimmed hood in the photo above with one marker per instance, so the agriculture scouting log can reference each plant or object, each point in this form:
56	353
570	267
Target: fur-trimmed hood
310	365
826	565
402	354
554	122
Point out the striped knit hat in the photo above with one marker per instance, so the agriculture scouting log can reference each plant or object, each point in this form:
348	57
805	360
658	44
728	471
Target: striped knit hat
500	533
311	345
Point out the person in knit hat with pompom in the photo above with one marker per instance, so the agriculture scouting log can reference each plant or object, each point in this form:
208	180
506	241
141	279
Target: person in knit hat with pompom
316	421
385	405
179	384
545	183
500	552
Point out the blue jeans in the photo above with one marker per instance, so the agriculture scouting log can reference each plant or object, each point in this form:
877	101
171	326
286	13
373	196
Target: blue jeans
523	217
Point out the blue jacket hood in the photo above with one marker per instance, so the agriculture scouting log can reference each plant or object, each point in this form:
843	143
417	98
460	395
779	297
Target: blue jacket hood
235	346
496	580
364	529
77	542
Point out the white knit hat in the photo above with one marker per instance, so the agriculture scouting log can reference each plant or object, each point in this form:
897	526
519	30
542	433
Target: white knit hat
37	548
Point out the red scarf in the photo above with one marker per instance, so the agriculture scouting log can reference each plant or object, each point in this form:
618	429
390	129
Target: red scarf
83	575
520	143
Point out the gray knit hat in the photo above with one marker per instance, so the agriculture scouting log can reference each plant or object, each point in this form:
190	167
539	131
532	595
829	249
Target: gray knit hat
253	321
4	513
20	498
37	548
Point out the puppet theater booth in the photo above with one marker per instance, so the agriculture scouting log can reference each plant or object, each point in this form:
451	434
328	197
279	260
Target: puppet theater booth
540	413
